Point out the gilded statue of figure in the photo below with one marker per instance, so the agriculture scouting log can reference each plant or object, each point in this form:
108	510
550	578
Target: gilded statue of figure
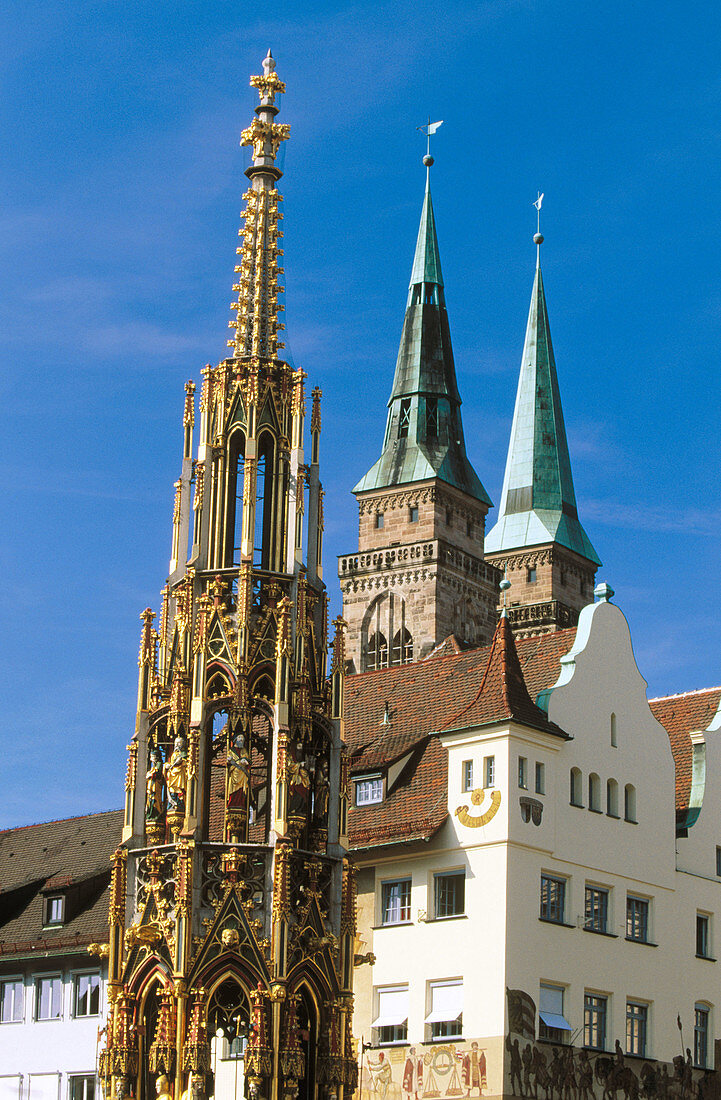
321	791
238	775
176	776
162	1086
298	785
155	788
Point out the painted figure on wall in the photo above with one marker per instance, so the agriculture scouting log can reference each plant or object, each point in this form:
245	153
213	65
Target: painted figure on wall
176	776
381	1075
155	788
473	1073
238	775
413	1075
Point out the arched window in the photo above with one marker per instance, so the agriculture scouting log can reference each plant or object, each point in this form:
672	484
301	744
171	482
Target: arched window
629	802
376	652
576	787
614	732
594	792
402	647
229	1020
236	480
612	798
263	503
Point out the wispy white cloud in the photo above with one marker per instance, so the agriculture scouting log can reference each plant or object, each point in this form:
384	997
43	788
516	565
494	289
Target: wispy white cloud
652	518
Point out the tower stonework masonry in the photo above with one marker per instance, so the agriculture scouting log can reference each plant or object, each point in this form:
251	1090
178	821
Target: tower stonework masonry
419	574
538	540
232	905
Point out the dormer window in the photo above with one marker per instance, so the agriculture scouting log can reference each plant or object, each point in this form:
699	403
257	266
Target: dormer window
54	910
405	418
368	790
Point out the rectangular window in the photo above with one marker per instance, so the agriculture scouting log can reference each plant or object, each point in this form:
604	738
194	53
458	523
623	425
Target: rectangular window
405	418
380	520
396	902
540	778
522	772
11	1001
48	998
469	528
531	575
449	895
467	775
596	911
703	940
86	995
54	910
700	1036
553	898
82	1088
446	1009
636	1028
576	788
637	919
391	1023
489	771
718	861
552	1023
413	513
595	1009
369	790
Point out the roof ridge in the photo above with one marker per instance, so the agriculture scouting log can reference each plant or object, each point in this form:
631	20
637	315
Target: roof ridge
61	820
682	694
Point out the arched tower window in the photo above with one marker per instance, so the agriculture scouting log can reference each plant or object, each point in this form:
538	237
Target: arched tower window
612	798
386	636
236	478
594	792
264	503
402	651
376	655
629	802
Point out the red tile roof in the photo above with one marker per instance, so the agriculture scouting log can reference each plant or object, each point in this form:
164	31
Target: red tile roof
682	715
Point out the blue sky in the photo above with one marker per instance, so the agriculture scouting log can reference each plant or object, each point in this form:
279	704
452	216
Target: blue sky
122	183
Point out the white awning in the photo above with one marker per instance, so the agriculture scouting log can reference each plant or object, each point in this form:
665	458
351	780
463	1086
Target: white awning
392	1007
446	1002
554	1019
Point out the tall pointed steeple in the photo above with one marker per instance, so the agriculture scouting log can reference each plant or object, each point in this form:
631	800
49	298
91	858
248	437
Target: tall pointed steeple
538	503
424	434
419	574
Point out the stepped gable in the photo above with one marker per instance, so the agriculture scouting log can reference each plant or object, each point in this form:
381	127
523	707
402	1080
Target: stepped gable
416	807
423	695
682	715
503	694
70	856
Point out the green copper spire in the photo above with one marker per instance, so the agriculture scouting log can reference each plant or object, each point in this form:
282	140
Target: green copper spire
538	504
424	435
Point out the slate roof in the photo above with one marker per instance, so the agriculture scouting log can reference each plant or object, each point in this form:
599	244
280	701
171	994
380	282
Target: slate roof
70	856
682	715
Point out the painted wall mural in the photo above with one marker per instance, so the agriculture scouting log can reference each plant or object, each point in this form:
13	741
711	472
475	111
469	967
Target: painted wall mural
424	1072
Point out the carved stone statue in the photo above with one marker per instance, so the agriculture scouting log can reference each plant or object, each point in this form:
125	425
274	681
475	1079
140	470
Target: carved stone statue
298	786
321	792
176	776
155	788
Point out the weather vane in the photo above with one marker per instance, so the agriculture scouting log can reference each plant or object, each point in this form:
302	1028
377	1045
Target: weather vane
429	129
538	239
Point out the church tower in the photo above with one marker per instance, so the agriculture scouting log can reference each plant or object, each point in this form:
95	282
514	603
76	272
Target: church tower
419	573
538	540
232	901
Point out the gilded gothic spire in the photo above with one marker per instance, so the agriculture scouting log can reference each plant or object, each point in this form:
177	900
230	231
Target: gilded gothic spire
424	433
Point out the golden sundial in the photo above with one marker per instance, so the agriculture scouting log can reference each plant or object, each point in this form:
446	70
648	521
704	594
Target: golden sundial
477	798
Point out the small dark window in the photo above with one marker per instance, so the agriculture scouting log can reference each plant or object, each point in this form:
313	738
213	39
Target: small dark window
54	910
413	513
540	778
700	1036
405	418
596	911
396	902
380	520
718	861
531	574
702	935
636	1028
594	1021
449	517
431	417
469	528
637	919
